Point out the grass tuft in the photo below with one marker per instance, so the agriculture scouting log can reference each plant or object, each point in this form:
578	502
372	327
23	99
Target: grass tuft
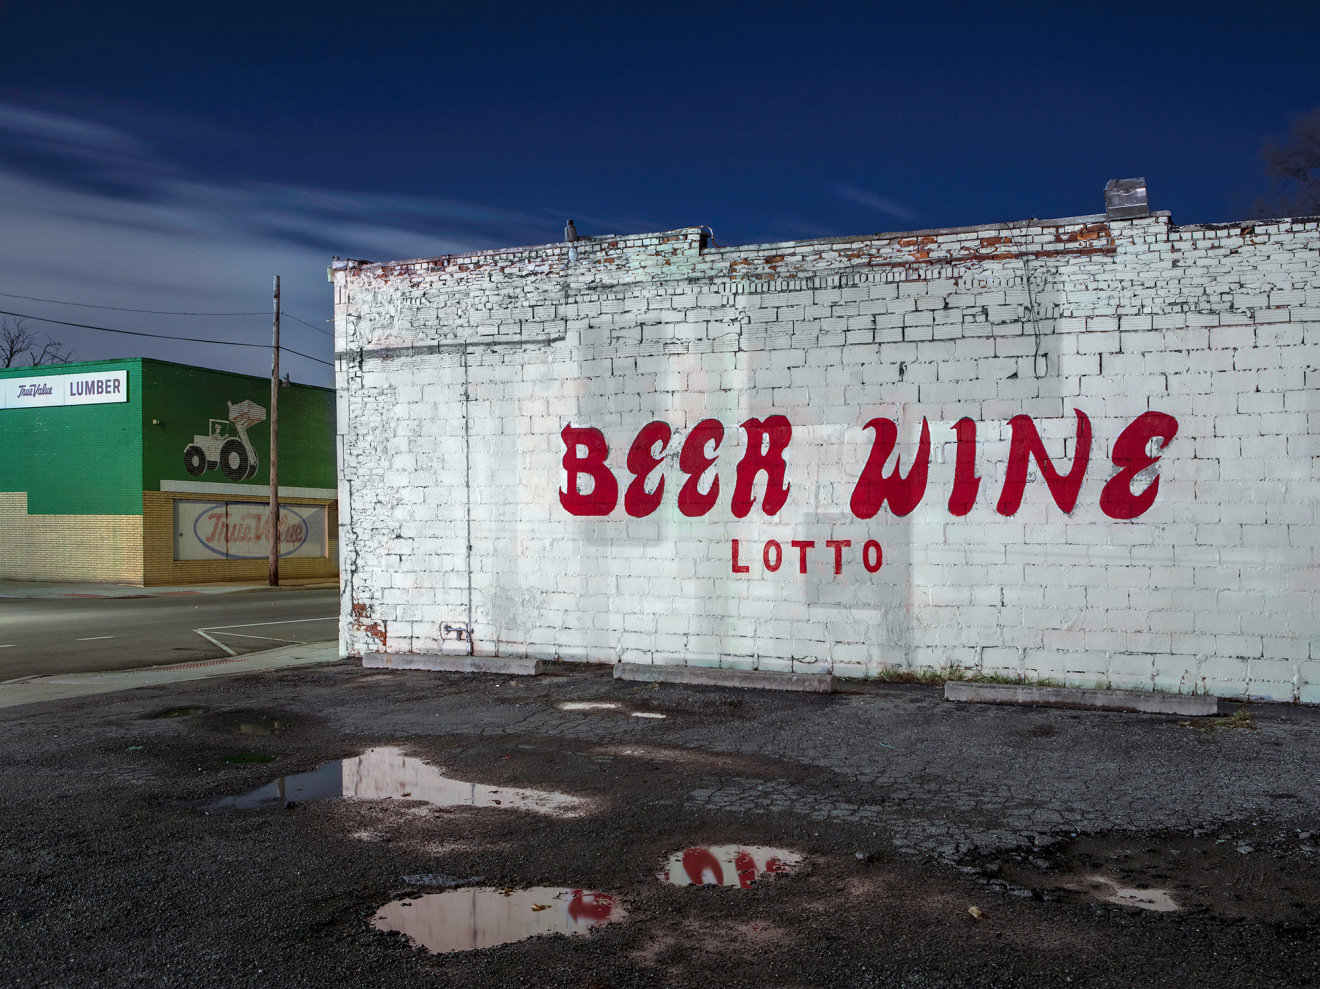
1241	718
940	676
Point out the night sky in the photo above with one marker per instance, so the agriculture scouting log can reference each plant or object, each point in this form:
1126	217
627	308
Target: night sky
176	156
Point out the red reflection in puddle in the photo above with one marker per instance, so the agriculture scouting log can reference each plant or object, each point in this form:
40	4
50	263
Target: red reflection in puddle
741	864
702	868
591	907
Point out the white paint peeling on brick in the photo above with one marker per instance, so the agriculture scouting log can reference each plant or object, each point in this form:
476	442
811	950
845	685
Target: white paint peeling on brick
1213	589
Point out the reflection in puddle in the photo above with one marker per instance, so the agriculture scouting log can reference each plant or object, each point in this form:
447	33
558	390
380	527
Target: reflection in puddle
385	773
464	919
605	706
726	865
1147	899
262	727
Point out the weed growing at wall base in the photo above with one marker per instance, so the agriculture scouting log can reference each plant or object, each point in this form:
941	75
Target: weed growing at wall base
1241	718
938	676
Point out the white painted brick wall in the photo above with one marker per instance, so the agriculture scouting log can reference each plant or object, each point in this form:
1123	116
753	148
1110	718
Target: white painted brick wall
456	376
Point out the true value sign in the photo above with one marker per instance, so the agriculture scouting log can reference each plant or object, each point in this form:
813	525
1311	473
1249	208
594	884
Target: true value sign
88	388
1137	448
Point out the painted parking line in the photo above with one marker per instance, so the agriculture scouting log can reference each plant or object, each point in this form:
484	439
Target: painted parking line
9	645
93	638
264	638
222	629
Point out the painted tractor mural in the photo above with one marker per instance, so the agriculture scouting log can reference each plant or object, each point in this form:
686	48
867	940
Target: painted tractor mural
233	454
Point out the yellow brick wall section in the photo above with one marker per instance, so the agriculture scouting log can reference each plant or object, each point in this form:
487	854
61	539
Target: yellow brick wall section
67	547
160	567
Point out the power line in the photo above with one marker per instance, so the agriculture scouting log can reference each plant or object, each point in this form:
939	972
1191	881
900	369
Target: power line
159	336
158	312
154	312
318	329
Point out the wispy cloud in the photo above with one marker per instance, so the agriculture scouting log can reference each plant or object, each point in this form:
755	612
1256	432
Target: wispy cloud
97	215
878	203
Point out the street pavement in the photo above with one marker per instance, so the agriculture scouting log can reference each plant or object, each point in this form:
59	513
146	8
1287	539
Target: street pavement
63	629
942	844
60	686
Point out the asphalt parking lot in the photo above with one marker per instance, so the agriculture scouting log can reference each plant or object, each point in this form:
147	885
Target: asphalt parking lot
166	836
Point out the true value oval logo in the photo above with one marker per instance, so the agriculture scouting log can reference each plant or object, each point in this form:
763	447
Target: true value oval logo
237	530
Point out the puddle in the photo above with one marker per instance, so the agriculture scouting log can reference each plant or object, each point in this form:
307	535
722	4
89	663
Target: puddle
385	773
605	706
465	919
726	865
1147	899
263	727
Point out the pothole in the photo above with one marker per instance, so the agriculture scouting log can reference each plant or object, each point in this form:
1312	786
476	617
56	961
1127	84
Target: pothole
727	865
385	773
1111	892
482	917
606	706
266	727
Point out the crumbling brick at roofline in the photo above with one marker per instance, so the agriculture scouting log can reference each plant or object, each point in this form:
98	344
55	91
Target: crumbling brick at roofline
657	255
535	293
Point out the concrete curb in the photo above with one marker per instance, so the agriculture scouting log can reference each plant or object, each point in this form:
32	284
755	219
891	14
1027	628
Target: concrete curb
451	664
60	686
814	683
1138	701
13	590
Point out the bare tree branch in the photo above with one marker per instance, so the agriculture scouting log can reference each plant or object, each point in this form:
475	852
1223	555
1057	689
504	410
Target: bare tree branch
1295	168
22	346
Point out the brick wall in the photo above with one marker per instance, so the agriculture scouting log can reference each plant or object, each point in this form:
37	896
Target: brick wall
67	547
1191	354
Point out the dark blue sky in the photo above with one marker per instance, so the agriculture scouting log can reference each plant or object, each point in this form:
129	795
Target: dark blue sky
172	156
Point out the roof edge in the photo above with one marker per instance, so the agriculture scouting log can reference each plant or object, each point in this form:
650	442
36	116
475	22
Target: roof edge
699	231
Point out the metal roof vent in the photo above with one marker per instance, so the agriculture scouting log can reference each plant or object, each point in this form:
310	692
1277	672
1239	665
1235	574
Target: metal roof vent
1125	199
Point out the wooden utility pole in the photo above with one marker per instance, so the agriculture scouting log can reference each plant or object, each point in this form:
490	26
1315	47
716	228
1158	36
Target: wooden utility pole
274	445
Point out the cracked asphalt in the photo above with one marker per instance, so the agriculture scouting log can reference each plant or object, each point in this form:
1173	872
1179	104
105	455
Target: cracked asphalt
909	811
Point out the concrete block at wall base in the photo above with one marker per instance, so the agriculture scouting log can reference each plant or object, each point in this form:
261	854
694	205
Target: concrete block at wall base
814	683
451	664
1141	701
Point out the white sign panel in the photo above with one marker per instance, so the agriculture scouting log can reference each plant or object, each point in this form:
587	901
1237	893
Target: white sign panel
41	390
239	530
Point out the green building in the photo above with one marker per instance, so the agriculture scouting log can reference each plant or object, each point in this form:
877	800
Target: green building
146	472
